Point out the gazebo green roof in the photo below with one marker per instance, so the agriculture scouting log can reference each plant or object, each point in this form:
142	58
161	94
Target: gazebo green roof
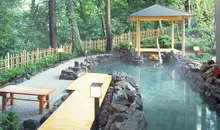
162	12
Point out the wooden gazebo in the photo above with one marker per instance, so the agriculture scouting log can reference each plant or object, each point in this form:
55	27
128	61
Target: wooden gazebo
160	13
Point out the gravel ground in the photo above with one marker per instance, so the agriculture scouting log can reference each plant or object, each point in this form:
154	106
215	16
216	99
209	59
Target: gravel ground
46	79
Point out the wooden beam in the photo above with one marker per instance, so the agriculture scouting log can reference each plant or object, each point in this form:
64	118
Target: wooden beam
172	43
183	37
154	18
138	36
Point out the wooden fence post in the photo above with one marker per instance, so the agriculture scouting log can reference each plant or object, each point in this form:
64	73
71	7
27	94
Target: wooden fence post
37	54
8	61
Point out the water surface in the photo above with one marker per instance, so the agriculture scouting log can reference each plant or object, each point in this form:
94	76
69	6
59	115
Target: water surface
169	102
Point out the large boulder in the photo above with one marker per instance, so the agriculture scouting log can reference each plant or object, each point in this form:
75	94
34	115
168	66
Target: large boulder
31	124
45	117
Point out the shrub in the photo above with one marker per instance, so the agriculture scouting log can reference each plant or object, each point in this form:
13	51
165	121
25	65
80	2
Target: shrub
95	51
9	121
164	41
18	72
122	44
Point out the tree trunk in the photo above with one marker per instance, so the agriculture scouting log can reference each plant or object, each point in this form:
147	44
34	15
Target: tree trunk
74	31
52	23
108	26
82	14
189	10
32	5
160	24
99	6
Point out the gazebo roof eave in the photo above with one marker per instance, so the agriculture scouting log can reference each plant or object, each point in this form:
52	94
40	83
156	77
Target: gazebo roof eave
157	18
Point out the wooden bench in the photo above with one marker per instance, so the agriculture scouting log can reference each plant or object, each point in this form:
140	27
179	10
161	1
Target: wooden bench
77	111
41	94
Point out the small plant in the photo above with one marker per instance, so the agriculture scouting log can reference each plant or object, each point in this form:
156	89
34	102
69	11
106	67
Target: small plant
9	121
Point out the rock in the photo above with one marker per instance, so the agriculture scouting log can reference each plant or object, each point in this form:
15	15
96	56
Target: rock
119	107
212	104
121	94
30	124
120	83
76	66
209	80
131	96
139	102
211	62
139	116
217	82
218	106
64	97
28	76
132	108
20	80
44	118
58	103
127	125
130	87
131	81
113	110
34	73
69	74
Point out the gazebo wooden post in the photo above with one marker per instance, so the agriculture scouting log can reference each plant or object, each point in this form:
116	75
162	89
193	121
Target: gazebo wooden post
172	43
138	36
183	37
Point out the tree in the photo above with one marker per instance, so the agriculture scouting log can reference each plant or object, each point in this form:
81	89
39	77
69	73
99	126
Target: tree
99	6
108	26
75	36
52	23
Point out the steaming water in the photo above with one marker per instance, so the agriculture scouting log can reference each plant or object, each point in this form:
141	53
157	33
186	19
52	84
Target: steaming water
169	102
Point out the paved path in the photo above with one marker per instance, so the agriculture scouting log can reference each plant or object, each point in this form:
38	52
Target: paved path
47	79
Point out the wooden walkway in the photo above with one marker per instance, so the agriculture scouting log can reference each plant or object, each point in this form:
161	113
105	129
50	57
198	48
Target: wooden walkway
77	112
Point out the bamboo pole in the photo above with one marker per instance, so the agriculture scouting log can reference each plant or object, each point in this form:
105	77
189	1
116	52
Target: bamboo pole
172	43
138	36
158	46
183	36
8	61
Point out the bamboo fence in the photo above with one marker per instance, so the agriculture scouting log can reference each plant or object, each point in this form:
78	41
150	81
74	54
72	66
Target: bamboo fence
25	58
126	37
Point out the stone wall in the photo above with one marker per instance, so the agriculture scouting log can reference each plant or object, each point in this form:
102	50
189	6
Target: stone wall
202	77
122	108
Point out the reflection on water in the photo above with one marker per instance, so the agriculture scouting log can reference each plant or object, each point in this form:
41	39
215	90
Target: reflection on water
169	102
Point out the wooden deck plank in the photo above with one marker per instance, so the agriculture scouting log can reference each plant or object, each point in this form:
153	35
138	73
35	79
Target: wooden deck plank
83	80
77	112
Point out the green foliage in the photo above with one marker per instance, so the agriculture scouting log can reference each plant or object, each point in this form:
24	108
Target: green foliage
202	57
9	121
204	38
18	72
23	28
149	43
164	40
122	44
95	51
